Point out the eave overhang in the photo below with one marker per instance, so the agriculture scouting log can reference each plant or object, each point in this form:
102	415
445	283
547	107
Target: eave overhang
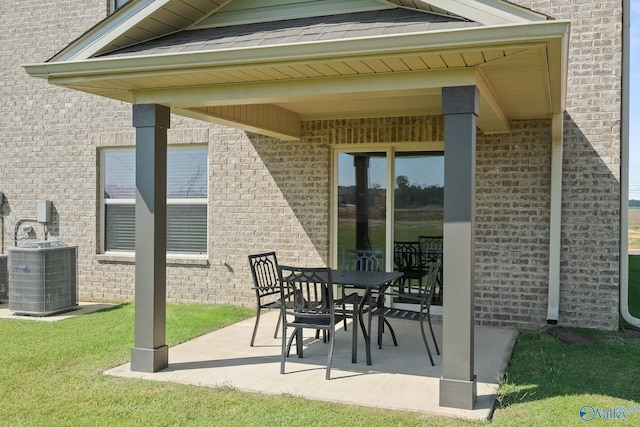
520	69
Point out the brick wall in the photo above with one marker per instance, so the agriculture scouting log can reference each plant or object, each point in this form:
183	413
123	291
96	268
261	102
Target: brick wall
272	195
590	254
512	226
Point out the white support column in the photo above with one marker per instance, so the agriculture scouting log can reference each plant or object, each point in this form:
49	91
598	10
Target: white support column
150	352
458	387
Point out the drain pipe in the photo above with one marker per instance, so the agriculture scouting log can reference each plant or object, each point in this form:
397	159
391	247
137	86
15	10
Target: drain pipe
555	218
624	167
17	227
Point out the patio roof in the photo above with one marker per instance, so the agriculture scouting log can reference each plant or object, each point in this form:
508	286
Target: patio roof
388	62
301	30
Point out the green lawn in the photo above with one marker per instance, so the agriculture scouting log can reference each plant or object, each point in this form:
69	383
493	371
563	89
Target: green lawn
548	381
51	375
634	285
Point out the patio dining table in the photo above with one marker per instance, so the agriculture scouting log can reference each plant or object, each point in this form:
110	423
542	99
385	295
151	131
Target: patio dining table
368	281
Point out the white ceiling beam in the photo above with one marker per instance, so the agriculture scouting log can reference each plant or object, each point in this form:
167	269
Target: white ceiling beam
350	87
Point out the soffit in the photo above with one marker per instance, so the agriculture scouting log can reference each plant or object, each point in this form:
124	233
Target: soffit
521	69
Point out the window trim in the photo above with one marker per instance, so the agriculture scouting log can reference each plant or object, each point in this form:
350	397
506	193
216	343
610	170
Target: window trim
126	255
113	6
390	149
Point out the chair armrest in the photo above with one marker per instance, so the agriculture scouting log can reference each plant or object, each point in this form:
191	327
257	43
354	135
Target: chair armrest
414	296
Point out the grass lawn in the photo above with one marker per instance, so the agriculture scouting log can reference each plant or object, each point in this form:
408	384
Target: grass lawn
51	374
634	227
634	285
548	381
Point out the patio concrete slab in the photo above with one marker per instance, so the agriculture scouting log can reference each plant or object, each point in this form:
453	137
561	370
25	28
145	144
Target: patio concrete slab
401	378
83	308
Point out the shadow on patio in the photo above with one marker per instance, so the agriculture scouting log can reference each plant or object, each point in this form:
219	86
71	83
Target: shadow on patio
401	378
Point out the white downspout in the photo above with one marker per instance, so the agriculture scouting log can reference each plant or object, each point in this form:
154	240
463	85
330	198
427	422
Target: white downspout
555	220
624	168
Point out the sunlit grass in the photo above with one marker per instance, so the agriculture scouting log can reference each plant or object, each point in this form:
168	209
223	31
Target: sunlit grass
51	374
548	381
634	285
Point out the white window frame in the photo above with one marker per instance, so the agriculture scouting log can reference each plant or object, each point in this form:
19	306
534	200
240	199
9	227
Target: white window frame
131	202
390	149
116	4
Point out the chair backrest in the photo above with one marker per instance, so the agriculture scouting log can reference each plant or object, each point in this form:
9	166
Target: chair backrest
431	247
363	260
427	291
309	291
264	269
430	242
407	256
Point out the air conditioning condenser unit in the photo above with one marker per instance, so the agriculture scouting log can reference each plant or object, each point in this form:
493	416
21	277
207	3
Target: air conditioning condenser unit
42	278
4	277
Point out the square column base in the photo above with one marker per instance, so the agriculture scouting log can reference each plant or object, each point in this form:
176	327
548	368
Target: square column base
149	359
458	393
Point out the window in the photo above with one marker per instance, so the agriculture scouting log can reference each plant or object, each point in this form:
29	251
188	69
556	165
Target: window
387	195
117	4
186	199
363	203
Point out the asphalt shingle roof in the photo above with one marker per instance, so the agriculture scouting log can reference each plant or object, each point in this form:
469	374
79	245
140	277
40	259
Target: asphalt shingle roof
333	27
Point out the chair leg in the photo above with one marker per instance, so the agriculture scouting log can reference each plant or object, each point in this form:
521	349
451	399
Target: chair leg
299	343
275	333
255	327
354	338
285	348
435	343
297	334
344	307
330	356
381	322
380	329
426	344
393	333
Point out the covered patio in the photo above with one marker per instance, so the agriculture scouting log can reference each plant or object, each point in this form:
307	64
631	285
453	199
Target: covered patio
269	70
401	378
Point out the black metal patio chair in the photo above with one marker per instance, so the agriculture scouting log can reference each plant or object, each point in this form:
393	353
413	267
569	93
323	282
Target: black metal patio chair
421	297
264	269
408	259
362	260
432	247
313	307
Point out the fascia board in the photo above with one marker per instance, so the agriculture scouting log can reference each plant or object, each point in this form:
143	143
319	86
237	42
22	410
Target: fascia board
108	30
487	12
558	57
140	66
